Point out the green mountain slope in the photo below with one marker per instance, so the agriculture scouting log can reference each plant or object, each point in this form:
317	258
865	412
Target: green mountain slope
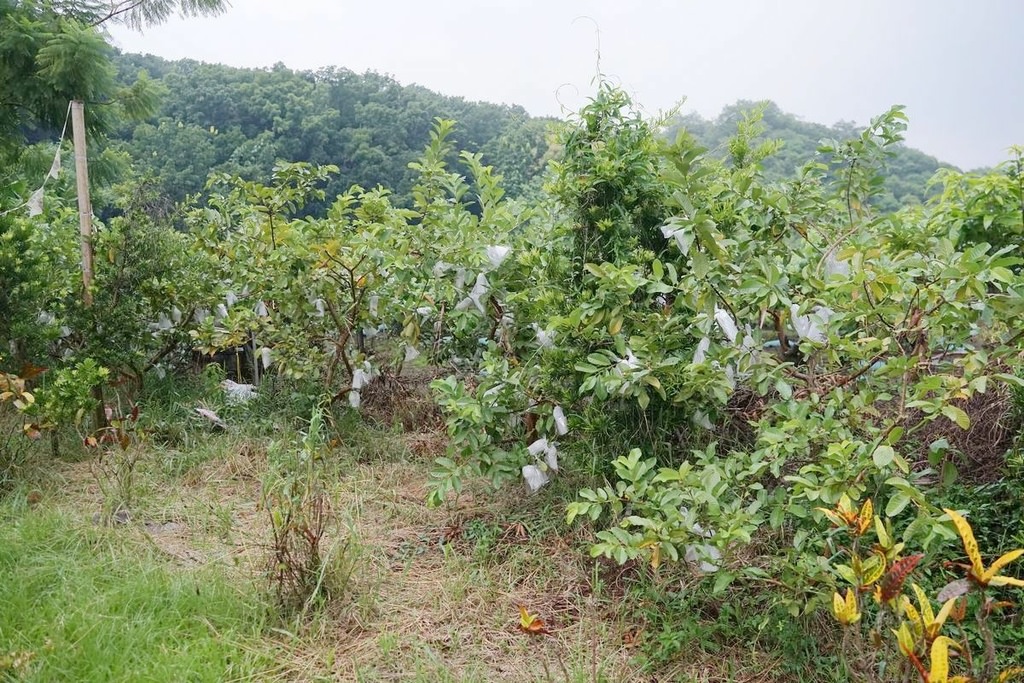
225	119
908	170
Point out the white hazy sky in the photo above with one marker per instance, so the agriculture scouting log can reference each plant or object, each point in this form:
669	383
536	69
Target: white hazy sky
956	64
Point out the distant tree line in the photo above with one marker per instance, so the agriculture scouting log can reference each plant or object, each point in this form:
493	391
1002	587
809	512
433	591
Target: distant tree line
907	174
242	121
215	118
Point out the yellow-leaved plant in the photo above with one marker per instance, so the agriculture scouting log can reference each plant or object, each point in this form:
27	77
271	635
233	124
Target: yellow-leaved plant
896	639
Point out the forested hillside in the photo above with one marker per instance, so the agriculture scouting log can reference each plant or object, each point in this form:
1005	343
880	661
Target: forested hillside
215	118
241	121
908	170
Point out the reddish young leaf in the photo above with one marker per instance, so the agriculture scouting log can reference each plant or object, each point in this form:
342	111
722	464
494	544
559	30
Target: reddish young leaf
32	371
531	623
959	612
892	582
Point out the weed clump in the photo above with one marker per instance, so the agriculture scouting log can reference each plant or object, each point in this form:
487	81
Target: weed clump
303	572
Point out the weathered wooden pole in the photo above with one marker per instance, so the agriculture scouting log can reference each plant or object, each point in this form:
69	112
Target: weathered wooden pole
85	231
84	204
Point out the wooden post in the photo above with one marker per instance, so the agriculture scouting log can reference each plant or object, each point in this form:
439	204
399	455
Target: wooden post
84	204
85	230
255	360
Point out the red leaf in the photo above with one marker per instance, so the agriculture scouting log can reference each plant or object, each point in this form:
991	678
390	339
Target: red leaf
32	371
531	623
892	582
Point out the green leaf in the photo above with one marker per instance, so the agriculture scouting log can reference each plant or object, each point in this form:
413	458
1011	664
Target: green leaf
572	510
958	416
896	504
785	391
722	581
1002	274
948	473
643	398
700	264
847	573
639	521
883	456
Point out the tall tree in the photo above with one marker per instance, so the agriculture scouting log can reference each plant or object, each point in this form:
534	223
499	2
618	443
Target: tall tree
52	52
140	13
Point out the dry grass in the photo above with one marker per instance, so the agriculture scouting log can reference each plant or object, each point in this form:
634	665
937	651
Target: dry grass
979	452
404	400
435	592
208	515
428	604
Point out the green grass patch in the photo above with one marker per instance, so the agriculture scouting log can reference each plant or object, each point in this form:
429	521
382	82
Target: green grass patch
81	603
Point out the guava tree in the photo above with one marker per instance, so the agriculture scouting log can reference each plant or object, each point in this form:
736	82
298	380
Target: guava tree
775	347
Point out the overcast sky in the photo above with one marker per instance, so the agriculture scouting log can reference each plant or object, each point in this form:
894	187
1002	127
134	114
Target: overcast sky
958	65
